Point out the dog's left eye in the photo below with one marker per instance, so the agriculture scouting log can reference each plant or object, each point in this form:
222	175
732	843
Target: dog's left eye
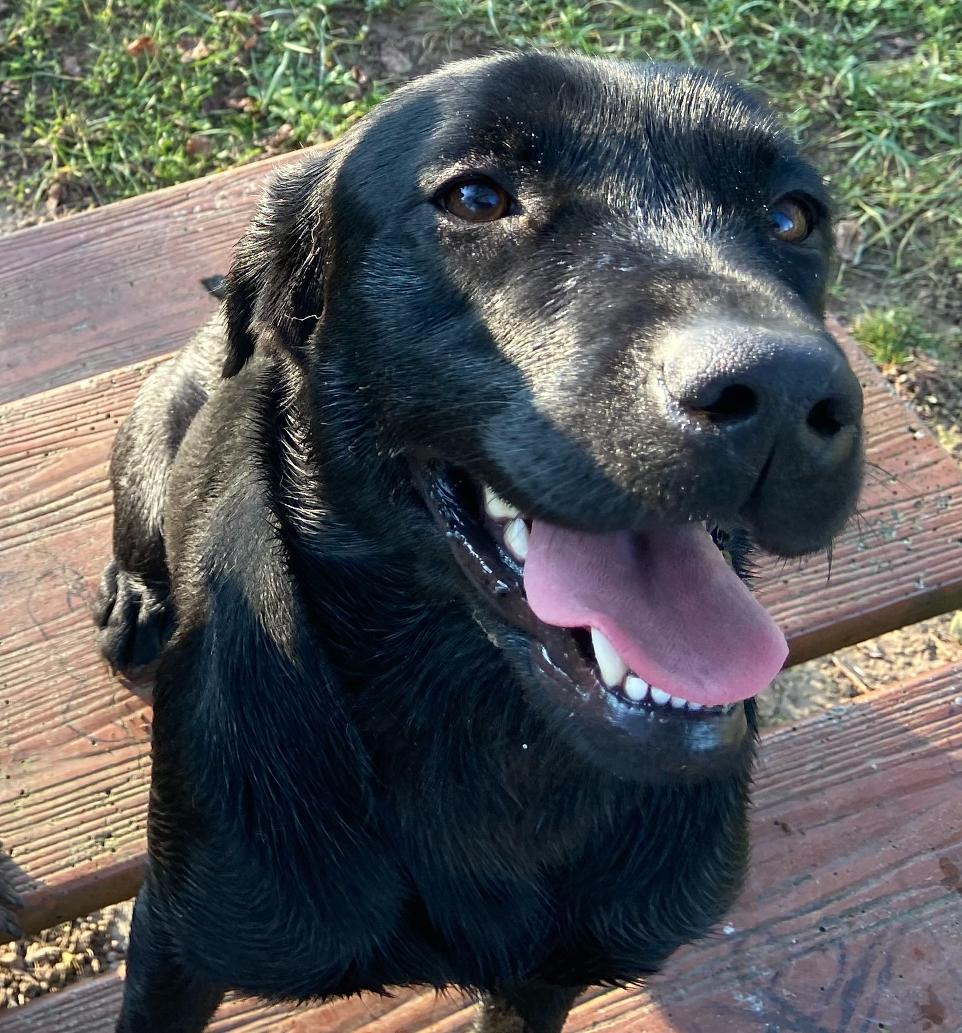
790	221
477	200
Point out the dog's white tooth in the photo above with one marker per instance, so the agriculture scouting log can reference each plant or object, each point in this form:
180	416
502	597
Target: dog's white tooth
516	538
497	508
659	696
678	703
612	667
695	706
636	688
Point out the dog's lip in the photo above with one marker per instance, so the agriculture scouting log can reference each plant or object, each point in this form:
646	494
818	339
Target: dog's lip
680	734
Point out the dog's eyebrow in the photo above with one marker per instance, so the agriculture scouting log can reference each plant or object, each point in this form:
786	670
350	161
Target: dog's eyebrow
435	174
795	174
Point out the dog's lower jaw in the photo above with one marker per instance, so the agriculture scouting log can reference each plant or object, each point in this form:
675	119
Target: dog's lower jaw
651	738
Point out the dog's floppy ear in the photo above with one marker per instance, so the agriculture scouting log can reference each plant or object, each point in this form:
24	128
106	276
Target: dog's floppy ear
275	285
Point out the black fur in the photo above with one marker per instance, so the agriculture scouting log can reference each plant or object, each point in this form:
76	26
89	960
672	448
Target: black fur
357	780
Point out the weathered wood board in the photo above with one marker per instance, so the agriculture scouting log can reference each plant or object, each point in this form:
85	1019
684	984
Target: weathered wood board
118	284
851	921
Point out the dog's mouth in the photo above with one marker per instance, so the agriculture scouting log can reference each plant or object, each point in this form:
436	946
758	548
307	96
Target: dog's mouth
646	642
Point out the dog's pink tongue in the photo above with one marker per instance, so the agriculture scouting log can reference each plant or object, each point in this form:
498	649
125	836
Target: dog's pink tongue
674	610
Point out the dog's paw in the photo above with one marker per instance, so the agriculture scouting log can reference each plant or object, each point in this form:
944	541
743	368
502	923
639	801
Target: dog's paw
135	617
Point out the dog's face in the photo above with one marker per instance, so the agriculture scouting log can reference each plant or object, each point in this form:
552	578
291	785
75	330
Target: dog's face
577	307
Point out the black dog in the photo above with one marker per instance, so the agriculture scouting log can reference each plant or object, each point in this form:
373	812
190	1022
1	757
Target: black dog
460	686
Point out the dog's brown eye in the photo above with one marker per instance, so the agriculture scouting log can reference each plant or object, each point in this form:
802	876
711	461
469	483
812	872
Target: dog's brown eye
790	221
477	200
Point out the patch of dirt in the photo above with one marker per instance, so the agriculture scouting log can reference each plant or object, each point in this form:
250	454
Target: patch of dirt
824	683
402	45
933	386
60	956
11	219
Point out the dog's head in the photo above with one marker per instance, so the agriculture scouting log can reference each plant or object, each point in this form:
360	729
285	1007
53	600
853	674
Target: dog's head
575	308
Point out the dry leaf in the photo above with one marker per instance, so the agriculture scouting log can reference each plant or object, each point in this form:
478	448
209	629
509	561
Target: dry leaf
955	627
198	144
245	104
849	237
282	134
142	45
54	193
196	53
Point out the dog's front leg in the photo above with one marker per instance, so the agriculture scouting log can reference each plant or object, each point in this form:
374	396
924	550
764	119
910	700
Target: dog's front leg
533	1008
161	994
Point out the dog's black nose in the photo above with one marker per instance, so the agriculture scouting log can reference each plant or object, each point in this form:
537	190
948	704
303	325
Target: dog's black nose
767	394
771	419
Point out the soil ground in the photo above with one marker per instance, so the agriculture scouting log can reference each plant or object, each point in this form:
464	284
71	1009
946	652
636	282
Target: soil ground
397	47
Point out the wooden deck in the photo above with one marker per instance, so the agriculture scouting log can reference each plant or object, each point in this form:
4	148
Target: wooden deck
118	284
851	921
839	843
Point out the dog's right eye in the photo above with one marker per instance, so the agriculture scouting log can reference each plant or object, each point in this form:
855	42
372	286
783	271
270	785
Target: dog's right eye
475	200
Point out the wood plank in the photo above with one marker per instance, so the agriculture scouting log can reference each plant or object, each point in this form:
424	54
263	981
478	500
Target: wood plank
74	742
900	559
118	284
94	1005
851	920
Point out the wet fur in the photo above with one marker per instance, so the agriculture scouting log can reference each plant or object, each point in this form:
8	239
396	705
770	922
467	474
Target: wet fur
351	787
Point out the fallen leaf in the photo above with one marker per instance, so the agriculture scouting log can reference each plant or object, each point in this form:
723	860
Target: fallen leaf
198	144
196	53
142	45
282	134
849	237
251	42
54	193
955	626
245	104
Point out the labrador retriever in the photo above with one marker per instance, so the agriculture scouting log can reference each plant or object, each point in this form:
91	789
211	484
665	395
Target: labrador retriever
442	533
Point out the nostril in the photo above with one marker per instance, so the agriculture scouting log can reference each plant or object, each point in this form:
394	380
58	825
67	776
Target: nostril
736	402
823	418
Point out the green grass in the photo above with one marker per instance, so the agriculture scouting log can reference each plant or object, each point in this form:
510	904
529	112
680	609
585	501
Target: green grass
890	336
84	106
873	88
